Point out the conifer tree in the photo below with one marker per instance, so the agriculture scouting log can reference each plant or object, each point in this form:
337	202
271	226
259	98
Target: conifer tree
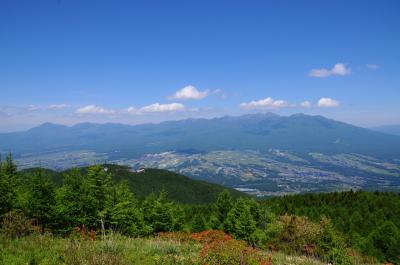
8	180
71	207
160	214
41	199
97	186
240	222
222	206
124	211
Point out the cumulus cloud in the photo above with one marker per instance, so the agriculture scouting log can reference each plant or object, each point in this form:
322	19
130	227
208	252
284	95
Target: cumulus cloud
156	108
305	104
132	110
93	109
338	69
58	106
267	103
189	92
328	103
32	108
372	66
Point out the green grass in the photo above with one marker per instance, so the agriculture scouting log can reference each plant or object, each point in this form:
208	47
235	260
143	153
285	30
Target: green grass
46	250
115	249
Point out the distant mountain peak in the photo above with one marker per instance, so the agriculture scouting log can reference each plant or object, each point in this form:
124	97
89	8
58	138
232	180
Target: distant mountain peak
47	126
252	116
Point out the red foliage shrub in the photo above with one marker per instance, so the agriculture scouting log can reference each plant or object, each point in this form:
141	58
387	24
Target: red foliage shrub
220	248
209	236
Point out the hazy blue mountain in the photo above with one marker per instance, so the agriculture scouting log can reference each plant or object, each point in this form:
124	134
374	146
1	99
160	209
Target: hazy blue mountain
299	133
390	129
261	154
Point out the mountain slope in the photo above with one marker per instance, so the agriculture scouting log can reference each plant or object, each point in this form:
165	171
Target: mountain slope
299	133
390	129
178	187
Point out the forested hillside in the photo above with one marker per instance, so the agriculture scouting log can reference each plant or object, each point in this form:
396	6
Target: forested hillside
370	221
98	202
177	187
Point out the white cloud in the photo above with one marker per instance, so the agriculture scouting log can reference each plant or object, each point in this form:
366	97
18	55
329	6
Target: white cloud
32	108
305	104
338	69
328	102
267	103
132	110
58	106
93	109
372	66
157	107
189	92
220	93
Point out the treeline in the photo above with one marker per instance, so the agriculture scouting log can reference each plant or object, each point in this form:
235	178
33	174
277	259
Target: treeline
91	200
370	220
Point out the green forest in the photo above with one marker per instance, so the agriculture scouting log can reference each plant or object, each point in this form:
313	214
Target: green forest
353	227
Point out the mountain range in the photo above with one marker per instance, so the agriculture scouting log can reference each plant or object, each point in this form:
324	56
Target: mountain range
390	129
300	133
258	153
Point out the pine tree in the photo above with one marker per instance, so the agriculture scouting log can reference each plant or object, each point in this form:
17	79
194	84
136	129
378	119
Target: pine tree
124	211
240	221
70	198
222	206
160	214
8	180
97	185
41	199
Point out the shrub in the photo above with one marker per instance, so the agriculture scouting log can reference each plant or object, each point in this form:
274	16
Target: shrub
16	224
220	248
209	236
295	234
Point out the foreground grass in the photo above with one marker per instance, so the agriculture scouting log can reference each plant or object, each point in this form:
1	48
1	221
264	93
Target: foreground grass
115	249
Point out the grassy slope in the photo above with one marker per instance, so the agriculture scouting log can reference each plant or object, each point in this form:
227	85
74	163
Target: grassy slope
178	187
46	250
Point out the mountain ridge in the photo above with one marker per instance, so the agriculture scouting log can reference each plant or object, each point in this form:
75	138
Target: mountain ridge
393	129
298	132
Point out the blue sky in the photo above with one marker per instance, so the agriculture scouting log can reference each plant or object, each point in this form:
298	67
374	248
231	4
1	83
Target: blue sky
148	61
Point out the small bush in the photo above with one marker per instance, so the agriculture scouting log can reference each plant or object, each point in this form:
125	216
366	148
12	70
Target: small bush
16	224
220	248
209	236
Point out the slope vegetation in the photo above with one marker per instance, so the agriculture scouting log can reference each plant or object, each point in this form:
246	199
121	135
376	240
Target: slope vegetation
178	187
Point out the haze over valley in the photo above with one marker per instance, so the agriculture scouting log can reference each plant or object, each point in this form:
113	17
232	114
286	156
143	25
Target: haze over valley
260	154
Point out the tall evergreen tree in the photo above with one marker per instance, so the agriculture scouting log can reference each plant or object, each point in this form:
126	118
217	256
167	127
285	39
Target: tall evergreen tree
222	206
124	212
97	184
41	199
8	180
160	214
240	221
71	205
